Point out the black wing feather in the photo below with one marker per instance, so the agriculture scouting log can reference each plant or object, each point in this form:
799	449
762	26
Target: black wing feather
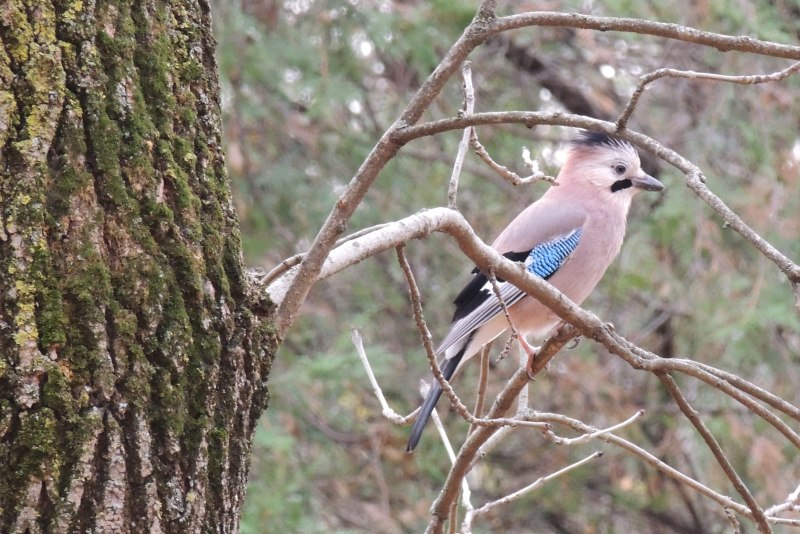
475	293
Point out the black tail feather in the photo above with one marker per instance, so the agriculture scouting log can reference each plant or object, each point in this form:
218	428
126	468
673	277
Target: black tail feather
431	399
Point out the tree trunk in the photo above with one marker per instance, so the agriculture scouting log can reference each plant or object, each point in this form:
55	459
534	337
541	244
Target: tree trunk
134	357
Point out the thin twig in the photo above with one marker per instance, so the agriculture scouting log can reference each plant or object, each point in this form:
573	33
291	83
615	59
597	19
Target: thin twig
466	493
592	435
488	507
792	503
733	520
453	518
796	291
504	172
386	410
645	456
469	109
783	521
649	78
437	422
510	342
281	268
448	447
483	380
496	288
691	414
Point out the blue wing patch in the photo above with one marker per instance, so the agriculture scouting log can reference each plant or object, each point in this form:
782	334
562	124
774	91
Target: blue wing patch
477	303
545	258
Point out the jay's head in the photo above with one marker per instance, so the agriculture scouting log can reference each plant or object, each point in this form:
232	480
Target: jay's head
606	166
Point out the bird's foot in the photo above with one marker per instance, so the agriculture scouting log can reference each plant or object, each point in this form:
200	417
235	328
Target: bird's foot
531	351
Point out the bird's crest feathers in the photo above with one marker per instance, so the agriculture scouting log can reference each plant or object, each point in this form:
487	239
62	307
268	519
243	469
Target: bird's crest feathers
598	139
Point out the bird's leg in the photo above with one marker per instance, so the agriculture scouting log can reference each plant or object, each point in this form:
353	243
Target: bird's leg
530	350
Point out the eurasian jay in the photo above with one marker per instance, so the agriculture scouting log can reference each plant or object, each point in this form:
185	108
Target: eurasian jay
568	237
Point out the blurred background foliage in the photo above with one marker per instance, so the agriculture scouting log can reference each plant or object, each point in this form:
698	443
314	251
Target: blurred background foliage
309	86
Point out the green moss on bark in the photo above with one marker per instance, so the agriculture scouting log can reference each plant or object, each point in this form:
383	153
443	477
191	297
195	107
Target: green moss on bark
33	451
57	395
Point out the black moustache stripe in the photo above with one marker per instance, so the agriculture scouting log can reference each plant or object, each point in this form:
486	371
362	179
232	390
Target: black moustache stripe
621	184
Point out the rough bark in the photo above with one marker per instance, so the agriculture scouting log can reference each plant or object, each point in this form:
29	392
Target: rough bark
133	357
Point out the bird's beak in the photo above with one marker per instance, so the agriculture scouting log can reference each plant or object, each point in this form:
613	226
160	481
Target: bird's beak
647	183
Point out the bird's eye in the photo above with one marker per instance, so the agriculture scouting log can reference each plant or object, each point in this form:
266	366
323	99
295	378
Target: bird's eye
620	169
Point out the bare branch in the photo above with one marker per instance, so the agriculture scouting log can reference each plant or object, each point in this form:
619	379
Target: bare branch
523	401
469	109
454	521
290	282
642	454
354	251
691	414
281	268
707	374
696	182
646	79
587	323
466	493
787	522
437	422
796	290
724	43
724	501
424	223
292	261
536	365
733	520
496	288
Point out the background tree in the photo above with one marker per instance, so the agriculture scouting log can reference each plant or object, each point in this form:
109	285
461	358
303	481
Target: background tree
134	358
